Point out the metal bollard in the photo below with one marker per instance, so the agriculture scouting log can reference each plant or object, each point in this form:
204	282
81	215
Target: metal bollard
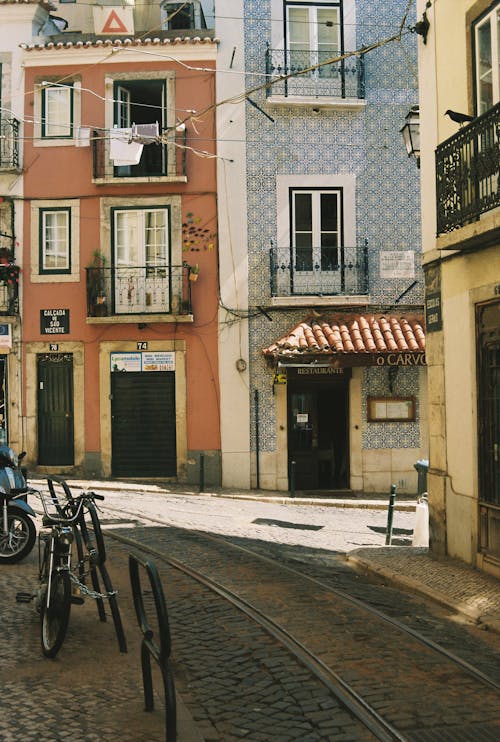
390	515
202	472
292	478
156	640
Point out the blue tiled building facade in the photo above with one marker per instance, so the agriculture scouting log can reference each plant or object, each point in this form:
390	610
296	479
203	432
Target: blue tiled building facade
333	129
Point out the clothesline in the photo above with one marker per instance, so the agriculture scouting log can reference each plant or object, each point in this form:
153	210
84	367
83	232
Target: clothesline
126	144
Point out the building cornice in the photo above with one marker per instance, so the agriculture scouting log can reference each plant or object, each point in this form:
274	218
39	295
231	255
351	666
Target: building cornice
120	51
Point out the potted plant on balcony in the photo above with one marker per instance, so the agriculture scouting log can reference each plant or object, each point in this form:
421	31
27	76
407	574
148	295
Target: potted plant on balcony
9	277
96	285
194	272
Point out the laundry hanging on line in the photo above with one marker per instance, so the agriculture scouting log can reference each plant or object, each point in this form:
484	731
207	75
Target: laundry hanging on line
126	144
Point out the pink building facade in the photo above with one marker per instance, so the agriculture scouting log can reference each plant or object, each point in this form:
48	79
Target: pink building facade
119	366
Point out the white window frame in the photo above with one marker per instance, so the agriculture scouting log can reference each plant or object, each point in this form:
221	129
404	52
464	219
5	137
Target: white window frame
347	17
57	100
142	277
140	243
317	254
123	107
55	240
306	51
492	18
115	87
312	42
39	274
287	184
44	138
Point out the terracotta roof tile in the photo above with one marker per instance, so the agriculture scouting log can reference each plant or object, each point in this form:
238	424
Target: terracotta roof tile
44	3
352	334
89	41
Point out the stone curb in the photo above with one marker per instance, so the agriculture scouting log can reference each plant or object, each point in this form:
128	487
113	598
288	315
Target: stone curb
326	503
490	623
408	505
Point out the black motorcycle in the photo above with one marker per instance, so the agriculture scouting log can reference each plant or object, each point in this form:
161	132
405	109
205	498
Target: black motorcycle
17	530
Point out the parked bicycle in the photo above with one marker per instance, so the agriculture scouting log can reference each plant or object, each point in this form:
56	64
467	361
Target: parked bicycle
62	582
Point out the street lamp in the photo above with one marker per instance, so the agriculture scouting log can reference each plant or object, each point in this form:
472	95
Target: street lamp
411	133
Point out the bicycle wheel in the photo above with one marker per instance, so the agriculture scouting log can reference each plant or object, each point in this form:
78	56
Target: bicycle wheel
55	617
93	538
19	539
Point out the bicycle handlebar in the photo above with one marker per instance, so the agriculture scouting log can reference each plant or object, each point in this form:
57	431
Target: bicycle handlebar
70	511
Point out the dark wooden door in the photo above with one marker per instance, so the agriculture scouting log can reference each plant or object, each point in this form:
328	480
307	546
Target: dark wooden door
143	433
303	438
489	428
55	409
318	439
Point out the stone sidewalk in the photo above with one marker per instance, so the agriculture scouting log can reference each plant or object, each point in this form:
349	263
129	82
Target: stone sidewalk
467	591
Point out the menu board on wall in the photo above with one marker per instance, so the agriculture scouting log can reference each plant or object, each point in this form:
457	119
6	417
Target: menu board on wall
391	409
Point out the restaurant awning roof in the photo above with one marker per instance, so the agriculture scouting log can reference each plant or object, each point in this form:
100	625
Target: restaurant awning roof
352	340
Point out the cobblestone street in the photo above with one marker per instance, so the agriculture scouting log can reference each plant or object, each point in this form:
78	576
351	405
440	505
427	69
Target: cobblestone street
92	692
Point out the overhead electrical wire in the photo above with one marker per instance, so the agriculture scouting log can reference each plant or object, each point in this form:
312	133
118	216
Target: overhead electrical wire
244	95
332	60
245	18
195	116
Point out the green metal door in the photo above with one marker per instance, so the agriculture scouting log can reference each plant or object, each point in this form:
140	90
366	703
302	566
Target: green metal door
55	409
143	434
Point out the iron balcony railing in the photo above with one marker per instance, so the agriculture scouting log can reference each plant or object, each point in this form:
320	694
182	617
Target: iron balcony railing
150	289
467	172
157	160
343	79
319	271
10	154
9	289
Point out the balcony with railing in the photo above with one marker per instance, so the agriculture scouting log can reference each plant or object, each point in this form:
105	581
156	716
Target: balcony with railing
9	289
158	160
10	152
138	290
290	75
319	271
467	172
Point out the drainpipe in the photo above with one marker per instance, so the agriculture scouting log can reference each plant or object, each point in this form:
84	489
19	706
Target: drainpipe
257	450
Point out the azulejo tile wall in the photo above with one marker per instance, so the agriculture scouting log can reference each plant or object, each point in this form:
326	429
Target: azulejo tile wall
366	143
391	435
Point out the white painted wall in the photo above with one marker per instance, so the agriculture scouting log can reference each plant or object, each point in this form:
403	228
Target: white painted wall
232	243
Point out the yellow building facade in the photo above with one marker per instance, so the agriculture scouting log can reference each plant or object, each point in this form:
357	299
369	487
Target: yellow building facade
459	56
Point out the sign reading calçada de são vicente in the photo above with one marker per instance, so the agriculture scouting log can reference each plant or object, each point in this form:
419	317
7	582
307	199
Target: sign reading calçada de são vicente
54	321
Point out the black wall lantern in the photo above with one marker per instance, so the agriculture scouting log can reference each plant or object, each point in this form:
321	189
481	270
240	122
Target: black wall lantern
422	26
411	133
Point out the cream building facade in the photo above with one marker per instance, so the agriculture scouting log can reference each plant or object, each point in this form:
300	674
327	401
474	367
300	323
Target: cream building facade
459	57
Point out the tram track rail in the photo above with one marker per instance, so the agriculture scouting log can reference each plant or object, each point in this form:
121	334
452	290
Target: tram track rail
362	605
345	694
376	722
